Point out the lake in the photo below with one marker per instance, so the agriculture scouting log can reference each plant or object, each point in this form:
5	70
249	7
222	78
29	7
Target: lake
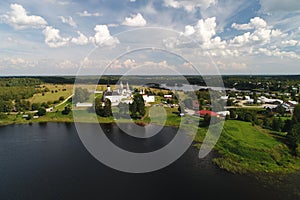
48	161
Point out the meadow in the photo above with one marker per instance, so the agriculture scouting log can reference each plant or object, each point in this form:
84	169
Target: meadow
55	92
245	148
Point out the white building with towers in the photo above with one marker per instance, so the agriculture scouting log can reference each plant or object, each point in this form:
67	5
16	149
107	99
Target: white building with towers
120	94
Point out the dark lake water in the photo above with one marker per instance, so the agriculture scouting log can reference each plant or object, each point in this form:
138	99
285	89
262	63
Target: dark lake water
48	161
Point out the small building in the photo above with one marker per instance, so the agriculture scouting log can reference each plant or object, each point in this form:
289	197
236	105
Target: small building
251	101
84	105
202	113
49	109
292	103
224	97
223	113
271	107
247	98
168	96
149	98
270	101
25	116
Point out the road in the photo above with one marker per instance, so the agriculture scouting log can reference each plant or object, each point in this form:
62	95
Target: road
64	100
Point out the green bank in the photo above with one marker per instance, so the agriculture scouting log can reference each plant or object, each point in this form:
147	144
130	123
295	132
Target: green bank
244	148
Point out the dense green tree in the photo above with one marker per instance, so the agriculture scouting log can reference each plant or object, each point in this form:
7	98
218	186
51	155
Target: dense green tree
98	106
61	98
232	114
230	102
45	105
6	106
107	112
22	105
287	125
41	111
248	117
255	98
66	110
296	114
104	111
207	119
29	117
267	122
35	106
293	135
277	124
137	107
281	110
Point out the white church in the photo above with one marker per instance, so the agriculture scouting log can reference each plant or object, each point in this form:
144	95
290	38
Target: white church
124	94
118	95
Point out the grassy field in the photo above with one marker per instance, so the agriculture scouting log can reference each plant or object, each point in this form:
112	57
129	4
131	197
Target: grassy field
249	149
55	92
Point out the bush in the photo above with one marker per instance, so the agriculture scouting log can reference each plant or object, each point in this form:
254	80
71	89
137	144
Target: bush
41	112
29	117
61	98
232	114
66	111
45	105
35	106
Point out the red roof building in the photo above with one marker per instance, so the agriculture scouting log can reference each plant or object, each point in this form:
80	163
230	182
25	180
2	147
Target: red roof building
202	113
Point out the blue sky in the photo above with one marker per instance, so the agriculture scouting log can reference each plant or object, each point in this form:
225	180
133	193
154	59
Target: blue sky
58	37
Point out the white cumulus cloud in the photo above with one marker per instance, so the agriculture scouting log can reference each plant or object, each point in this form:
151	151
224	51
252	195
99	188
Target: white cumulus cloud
81	39
254	23
262	33
290	42
190	5
68	20
103	37
20	19
85	13
135	20
53	38
205	29
203	32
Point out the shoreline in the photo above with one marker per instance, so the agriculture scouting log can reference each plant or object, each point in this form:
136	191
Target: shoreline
223	161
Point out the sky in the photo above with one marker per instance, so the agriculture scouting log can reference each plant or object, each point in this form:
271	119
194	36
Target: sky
65	37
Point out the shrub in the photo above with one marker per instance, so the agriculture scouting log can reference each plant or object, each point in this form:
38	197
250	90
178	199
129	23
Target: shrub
66	111
61	98
41	112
